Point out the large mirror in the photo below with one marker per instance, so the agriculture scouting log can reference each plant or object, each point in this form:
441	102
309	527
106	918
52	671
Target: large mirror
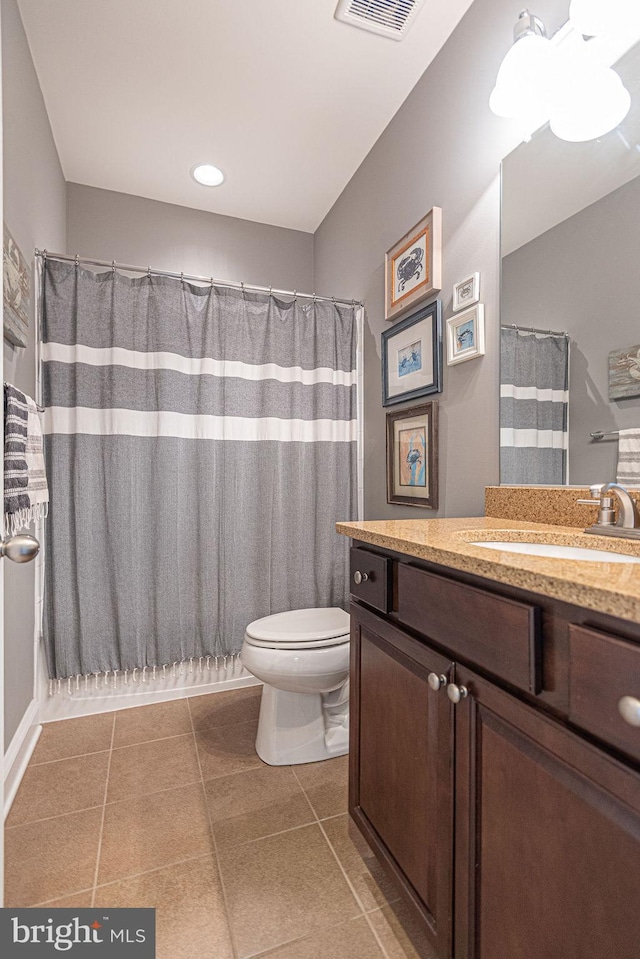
571	265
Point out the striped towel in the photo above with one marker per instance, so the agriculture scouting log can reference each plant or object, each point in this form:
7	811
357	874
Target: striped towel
26	495
628	472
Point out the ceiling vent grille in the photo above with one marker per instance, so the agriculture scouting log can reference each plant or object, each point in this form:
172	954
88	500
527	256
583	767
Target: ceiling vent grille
389	18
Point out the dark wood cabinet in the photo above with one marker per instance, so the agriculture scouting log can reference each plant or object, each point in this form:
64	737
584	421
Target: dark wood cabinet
512	827
548	830
401	775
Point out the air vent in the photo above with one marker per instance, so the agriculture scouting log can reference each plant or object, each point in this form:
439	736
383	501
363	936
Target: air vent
389	18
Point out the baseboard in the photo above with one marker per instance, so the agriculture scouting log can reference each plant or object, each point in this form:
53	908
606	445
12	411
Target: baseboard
17	756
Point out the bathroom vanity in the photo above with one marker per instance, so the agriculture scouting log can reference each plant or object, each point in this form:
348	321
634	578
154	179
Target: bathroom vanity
495	756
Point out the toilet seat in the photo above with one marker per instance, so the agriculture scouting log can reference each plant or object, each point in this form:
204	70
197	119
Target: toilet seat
300	629
297	644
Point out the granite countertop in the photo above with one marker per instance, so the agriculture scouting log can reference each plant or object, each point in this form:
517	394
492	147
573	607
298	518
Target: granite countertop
612	588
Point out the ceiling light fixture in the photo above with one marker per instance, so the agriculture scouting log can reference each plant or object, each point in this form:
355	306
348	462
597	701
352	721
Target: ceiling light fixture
540	81
207	174
597	18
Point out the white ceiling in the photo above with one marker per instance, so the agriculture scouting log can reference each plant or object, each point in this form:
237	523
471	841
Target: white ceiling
284	98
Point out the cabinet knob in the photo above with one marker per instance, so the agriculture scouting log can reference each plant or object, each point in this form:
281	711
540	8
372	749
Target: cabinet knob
456	693
629	709
359	577
436	682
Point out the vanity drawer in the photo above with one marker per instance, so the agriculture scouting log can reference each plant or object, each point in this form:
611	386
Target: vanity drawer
371	578
494	633
602	671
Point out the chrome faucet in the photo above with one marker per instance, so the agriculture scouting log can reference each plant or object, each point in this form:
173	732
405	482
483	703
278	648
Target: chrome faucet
622	521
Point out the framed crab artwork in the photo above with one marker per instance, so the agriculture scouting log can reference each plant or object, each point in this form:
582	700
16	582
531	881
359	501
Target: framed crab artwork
413	266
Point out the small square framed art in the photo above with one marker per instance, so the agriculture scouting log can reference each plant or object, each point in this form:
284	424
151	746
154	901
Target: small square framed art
465	335
412	356
412	456
467	292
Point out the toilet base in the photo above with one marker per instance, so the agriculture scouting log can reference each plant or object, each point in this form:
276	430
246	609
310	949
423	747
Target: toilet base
302	727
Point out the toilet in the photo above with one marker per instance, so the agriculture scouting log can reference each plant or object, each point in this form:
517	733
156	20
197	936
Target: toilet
302	657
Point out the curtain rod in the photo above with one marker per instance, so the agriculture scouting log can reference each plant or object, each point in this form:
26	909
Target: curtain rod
532	329
45	254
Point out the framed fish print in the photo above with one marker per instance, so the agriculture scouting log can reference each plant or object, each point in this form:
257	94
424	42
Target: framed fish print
413	266
412	356
412	456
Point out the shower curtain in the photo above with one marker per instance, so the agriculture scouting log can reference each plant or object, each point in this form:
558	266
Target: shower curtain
201	445
534	402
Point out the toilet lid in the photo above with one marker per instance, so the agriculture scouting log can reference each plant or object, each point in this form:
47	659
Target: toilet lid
313	626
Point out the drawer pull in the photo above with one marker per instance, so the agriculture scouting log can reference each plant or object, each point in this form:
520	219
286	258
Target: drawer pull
359	577
629	709
456	693
436	682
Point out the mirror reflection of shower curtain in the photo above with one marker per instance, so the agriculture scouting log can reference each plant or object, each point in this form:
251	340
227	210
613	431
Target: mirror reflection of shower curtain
534	405
201	447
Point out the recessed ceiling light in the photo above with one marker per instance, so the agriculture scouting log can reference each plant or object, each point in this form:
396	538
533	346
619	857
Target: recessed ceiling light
207	174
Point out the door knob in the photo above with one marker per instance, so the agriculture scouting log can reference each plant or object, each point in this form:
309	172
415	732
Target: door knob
436	682
20	549
359	577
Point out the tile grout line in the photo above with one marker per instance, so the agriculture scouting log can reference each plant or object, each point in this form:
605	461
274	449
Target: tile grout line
104	813
304	792
342	869
353	891
61	815
154	792
147	872
64	759
212	834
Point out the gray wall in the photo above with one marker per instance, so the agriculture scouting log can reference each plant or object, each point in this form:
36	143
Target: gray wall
34	211
130	229
443	148
590	265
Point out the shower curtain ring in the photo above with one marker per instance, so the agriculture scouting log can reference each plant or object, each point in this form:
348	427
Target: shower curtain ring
113	266
77	260
149	272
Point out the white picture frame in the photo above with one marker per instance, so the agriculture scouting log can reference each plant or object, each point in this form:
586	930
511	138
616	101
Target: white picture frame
465	335
466	292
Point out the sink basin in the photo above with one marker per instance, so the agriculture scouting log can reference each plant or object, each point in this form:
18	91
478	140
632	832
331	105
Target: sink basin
558	551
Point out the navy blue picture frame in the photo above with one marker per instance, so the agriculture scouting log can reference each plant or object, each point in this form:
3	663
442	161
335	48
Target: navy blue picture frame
433	310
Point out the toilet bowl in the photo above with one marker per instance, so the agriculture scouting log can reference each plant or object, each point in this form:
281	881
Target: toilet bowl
302	657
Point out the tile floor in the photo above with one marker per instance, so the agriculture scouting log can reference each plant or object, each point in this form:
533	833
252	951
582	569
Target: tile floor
169	806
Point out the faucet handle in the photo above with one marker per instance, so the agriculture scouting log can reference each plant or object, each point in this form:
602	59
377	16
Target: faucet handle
595	491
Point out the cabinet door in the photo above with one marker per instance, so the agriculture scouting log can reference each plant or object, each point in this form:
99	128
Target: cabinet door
547	837
401	768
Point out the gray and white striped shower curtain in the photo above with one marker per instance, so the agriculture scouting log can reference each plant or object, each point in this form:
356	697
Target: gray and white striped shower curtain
201	445
534	402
